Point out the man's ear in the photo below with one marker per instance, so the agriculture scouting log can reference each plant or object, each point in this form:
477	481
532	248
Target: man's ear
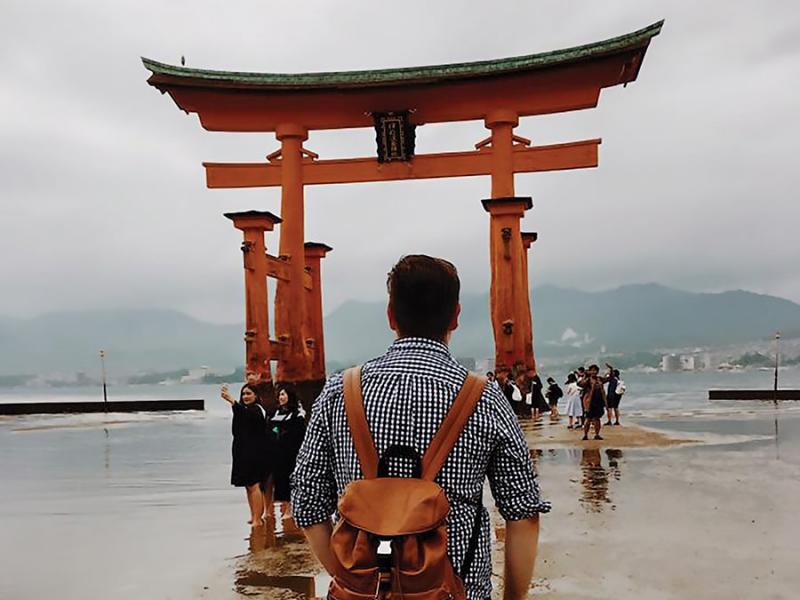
454	321
391	317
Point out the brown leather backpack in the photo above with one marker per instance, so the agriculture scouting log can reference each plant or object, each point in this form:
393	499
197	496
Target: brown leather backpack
391	538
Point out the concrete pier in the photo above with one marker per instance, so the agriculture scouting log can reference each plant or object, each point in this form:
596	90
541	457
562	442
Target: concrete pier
117	406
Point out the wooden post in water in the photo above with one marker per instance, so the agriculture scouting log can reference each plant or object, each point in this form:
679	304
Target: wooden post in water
777	362
103	369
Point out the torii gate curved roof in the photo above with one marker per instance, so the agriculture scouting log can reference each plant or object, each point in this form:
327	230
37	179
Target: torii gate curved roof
548	82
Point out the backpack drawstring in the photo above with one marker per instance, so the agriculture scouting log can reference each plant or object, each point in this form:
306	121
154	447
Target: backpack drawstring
397	577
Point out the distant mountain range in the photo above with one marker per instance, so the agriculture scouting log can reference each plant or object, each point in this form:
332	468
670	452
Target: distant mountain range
134	340
627	319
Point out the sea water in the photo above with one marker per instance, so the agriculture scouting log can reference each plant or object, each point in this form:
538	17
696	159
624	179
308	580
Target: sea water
140	506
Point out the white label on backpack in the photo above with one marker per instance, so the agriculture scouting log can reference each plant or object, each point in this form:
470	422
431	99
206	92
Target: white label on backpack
384	547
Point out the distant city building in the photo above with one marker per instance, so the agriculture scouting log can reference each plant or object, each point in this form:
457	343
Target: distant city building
196	375
698	361
671	363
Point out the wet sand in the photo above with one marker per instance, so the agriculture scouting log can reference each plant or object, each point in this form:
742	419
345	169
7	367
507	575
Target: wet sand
554	434
688	499
705	521
641	514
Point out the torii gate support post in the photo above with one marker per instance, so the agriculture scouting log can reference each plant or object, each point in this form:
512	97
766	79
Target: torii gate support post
290	300
253	225
528	238
507	292
314	253
508	297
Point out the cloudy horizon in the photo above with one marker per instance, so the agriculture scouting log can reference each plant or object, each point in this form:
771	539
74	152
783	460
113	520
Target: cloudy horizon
104	202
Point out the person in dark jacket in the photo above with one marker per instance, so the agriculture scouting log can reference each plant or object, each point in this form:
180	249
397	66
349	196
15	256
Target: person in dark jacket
538	402
289	426
504	381
613	394
553	394
523	384
251	449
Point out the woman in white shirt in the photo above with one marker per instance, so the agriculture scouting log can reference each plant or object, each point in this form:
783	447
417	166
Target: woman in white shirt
574	407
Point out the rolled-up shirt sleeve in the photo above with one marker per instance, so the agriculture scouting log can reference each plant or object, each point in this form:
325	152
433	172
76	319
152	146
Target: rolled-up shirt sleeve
512	478
313	483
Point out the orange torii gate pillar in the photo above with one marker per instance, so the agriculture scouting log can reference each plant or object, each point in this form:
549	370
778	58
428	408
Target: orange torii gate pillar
290	297
508	295
254	224
528	238
314	253
258	266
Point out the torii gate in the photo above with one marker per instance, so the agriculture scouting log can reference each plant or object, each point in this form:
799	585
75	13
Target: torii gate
394	101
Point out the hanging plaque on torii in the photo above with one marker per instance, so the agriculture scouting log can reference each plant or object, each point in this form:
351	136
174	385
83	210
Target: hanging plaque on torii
394	135
496	92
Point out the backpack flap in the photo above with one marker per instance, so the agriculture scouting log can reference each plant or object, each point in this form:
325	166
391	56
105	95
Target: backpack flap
394	506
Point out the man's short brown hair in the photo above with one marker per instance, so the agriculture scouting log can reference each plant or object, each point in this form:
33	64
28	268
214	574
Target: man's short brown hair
423	293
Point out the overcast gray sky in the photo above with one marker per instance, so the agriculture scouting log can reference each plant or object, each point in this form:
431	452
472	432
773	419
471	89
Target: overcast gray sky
103	201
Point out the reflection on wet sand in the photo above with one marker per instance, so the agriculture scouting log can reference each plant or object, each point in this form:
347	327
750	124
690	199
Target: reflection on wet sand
262	537
594	478
280	564
272	533
594	481
614	457
274	586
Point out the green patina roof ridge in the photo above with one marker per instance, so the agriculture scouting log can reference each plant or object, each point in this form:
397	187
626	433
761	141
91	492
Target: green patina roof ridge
398	75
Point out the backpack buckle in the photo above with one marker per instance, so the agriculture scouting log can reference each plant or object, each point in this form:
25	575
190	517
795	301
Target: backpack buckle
384	554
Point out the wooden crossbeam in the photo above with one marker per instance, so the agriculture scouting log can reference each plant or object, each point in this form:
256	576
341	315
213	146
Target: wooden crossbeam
278	268
556	157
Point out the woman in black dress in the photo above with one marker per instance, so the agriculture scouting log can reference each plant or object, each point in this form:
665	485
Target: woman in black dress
251	449
289	426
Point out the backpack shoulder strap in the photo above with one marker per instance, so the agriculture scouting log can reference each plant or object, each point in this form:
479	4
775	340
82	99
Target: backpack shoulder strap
452	425
357	420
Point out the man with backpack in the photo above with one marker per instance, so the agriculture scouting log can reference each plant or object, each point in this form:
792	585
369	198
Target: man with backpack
400	449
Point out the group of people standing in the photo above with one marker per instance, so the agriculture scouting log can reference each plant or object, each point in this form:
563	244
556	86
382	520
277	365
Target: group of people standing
589	396
267	436
527	394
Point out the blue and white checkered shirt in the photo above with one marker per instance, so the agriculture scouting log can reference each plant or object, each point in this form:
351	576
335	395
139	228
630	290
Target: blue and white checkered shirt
407	393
